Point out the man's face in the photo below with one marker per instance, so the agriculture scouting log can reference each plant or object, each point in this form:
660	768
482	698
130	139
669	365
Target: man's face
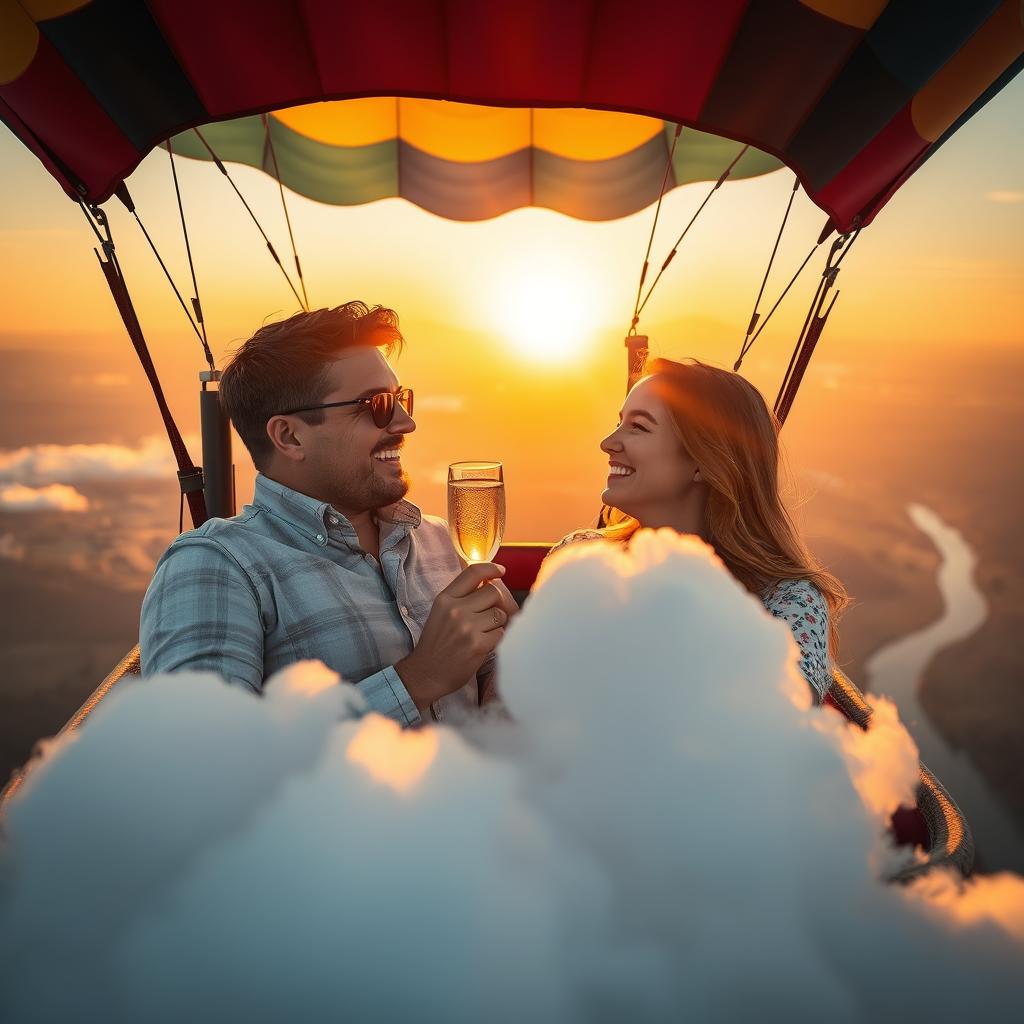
349	461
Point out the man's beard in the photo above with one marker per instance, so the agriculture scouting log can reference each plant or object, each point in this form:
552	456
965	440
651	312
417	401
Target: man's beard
364	492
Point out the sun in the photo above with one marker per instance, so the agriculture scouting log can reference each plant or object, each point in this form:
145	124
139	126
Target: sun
545	311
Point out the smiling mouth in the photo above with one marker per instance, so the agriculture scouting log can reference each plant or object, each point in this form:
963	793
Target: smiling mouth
388	455
620	471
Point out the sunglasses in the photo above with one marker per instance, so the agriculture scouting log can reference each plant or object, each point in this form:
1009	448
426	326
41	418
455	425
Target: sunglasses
381	405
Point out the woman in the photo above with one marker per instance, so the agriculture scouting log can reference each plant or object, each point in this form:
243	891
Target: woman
696	449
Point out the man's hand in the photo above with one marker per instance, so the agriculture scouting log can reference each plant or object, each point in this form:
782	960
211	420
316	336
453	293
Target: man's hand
507	601
466	623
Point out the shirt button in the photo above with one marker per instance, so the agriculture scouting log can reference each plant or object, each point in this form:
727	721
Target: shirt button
332	520
320	537
404	610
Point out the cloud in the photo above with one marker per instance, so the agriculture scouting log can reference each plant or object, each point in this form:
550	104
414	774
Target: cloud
57	497
665	829
1005	196
40	464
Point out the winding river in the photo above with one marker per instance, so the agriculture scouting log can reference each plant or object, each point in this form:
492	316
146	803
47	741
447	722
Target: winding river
897	669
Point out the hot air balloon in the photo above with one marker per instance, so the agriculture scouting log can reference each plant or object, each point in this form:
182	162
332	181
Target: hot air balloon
470	108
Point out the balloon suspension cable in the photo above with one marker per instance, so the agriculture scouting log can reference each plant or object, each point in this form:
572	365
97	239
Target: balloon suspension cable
675	248
190	476
196	305
650	238
814	324
755	315
778	302
284	206
273	252
122	194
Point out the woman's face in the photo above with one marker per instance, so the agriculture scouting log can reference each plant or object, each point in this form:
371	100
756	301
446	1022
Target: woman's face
650	472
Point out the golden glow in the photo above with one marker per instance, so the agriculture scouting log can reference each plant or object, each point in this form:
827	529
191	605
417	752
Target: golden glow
306	679
397	759
882	762
544	309
996	899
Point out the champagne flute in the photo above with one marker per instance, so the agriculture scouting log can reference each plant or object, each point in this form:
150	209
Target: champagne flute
476	508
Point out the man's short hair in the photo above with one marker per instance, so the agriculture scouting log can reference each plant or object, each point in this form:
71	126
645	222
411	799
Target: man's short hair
284	366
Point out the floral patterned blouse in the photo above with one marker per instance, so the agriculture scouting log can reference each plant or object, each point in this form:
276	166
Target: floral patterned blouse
798	603
802	606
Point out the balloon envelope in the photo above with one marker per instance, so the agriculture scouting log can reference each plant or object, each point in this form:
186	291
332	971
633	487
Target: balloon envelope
851	94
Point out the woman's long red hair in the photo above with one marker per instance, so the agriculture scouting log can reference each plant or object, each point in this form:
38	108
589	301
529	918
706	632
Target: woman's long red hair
729	431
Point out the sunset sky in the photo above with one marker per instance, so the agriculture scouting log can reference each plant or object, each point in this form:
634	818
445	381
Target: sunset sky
515	325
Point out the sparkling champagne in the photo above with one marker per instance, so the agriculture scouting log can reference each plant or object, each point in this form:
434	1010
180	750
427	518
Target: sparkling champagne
476	517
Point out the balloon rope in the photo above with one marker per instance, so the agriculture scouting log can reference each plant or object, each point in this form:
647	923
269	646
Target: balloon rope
273	252
675	248
778	301
650	239
755	316
190	476
174	287
814	324
284	206
196	305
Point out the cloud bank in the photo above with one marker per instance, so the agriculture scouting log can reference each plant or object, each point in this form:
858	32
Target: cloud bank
41	464
666	830
52	497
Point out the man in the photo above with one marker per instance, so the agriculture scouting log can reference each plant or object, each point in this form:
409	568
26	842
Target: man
328	562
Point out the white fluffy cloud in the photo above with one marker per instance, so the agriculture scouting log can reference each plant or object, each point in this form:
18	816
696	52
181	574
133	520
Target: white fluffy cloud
40	464
667	830
53	497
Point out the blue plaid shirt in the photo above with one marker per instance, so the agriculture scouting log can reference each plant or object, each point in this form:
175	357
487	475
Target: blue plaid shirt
287	580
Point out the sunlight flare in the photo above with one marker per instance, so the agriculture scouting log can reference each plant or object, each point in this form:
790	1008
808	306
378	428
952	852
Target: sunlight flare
545	310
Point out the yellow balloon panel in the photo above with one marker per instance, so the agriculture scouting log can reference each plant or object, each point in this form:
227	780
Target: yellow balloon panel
464	132
471	133
353	123
969	72
592	134
41	10
857	13
19	40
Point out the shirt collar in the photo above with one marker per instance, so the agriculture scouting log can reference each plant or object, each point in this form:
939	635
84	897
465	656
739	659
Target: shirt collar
309	515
